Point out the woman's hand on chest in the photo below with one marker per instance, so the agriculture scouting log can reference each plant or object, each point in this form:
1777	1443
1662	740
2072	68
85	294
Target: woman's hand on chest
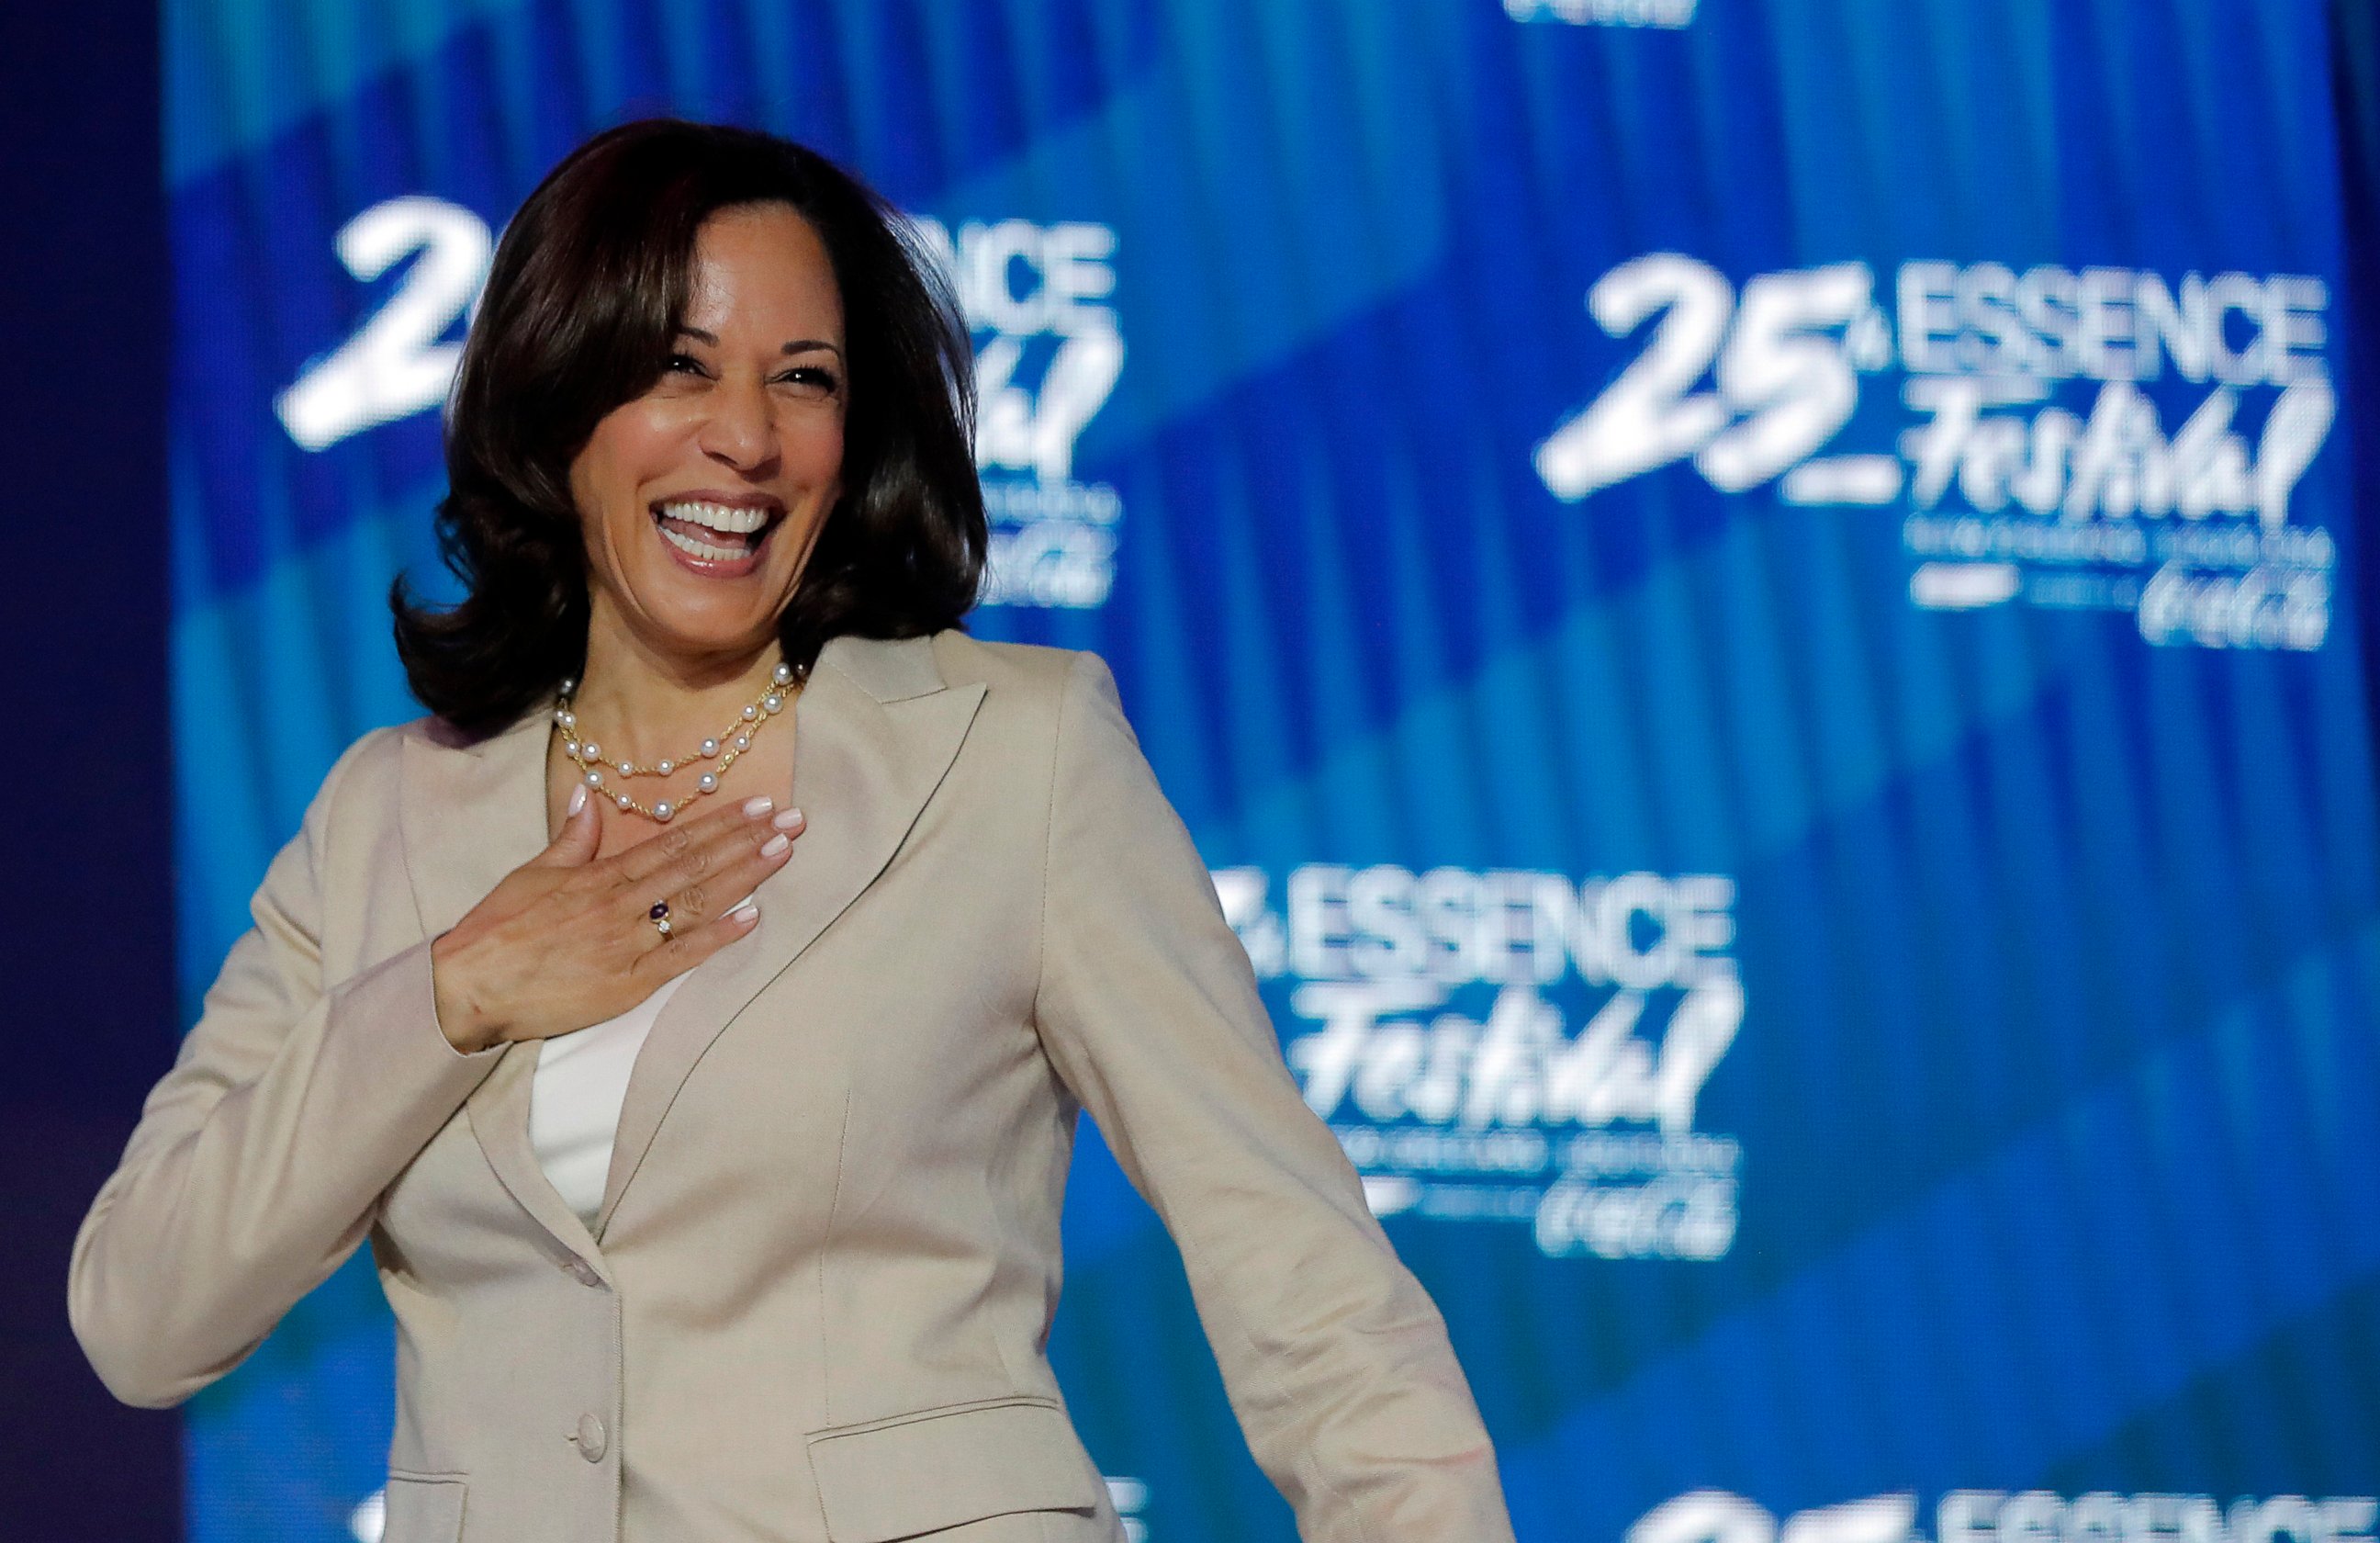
569	940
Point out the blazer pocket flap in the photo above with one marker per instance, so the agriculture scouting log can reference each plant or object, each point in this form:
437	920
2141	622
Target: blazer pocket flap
422	1510
942	1467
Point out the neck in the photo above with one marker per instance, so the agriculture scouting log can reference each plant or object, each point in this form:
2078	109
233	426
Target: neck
644	704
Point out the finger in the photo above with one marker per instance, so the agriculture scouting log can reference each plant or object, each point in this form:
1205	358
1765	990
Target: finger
685	950
706	858
639	864
581	833
734	877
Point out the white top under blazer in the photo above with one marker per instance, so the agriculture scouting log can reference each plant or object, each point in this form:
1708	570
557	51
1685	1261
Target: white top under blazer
573	1110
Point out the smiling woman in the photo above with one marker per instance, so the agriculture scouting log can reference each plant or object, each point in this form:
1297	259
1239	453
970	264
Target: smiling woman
710	317
713	1164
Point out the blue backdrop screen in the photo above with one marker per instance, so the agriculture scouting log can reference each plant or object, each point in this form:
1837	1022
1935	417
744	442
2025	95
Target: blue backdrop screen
1749	599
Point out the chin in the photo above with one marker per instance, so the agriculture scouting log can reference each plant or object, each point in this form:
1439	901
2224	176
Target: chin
708	616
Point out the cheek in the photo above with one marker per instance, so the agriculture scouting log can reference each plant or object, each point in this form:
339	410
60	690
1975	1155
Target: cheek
820	448
811	454
594	488
604	489
626	450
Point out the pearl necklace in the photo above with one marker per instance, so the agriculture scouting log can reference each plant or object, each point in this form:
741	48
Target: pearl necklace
732	742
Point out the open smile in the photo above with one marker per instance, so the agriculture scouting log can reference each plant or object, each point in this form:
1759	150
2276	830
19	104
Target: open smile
717	539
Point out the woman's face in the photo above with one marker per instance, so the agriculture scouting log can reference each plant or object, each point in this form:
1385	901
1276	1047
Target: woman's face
701	498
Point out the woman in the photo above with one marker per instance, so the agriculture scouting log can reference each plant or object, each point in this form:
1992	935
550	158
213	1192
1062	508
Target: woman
791	1277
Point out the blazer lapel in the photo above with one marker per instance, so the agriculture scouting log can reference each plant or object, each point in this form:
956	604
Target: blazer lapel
470	813
875	732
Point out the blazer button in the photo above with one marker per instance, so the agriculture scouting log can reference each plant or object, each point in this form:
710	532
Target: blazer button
588	1438
583	1272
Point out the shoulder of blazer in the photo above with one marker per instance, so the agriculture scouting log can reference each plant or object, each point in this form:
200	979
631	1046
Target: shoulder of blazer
895	669
1047	696
1029	676
421	785
361	788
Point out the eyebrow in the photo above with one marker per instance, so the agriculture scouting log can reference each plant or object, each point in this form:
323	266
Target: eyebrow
799	345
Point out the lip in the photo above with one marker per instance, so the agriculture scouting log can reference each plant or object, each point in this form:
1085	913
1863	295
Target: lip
739	567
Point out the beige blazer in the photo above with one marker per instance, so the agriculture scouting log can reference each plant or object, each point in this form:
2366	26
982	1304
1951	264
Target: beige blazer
814	1303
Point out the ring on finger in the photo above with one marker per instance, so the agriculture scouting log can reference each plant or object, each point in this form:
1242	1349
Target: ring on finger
660	917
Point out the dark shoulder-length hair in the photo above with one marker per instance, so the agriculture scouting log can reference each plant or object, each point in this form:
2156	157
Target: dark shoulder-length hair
583	302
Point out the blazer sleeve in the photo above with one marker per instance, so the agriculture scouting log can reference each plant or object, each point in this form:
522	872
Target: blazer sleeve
1335	1359
259	1158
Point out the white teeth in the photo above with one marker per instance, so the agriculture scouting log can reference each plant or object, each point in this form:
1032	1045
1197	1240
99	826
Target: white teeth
719	516
704	550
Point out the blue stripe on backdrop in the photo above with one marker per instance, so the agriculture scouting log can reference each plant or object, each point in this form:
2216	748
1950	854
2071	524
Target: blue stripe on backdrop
1776	707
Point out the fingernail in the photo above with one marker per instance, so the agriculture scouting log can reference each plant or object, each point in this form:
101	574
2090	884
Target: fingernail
577	798
744	914
776	845
755	807
788	819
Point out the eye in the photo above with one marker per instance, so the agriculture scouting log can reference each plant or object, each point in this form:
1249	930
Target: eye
682	364
813	377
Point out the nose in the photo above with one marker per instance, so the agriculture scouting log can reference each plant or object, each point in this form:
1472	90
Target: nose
740	430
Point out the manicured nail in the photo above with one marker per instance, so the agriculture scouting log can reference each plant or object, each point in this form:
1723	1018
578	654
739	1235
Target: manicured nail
744	914
577	798
776	843
788	819
755	807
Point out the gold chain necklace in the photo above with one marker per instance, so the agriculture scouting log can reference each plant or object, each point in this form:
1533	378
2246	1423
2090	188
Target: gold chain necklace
731	742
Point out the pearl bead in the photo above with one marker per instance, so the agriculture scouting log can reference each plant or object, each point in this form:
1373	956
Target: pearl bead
570	748
568	687
750	712
594	751
627	769
743	742
708	783
663	812
773	702
623	800
594	778
566	718
783	675
665	768
709	748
